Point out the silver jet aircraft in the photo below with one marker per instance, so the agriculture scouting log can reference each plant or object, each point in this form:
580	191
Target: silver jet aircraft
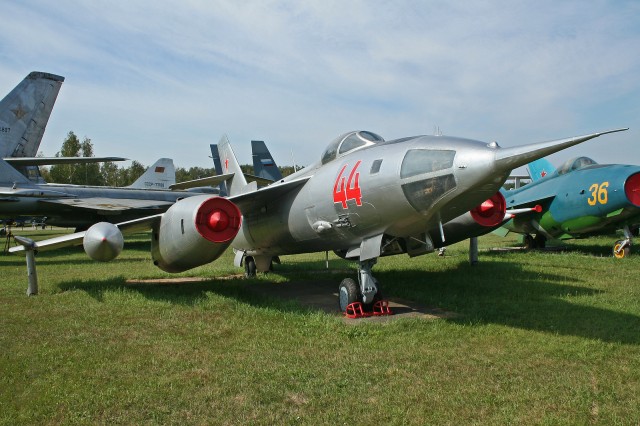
366	197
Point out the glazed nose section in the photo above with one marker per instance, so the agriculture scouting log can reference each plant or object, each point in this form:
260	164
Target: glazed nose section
632	189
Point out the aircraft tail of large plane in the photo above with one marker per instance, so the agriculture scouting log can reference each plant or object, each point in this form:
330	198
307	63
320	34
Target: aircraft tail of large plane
264	165
24	114
540	168
160	175
9	176
229	164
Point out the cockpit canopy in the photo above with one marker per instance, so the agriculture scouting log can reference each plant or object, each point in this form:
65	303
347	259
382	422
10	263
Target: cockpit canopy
349	142
576	163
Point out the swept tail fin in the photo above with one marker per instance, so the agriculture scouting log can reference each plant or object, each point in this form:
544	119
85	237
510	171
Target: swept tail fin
264	165
540	168
24	114
160	175
229	164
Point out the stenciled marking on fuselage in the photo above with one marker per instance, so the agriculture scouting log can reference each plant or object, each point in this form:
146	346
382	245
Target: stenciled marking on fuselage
598	194
5	129
349	190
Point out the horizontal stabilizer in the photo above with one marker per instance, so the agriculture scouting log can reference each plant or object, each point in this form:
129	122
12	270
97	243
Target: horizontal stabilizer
47	161
207	181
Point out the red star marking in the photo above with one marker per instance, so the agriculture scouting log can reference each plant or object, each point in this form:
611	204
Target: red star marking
226	164
543	173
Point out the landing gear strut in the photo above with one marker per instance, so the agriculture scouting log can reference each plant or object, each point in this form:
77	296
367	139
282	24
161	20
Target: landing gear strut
622	248
364	298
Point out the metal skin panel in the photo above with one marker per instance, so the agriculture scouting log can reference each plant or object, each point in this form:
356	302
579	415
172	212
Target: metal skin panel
578	202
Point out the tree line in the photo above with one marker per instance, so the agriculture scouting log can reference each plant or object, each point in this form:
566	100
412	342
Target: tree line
109	173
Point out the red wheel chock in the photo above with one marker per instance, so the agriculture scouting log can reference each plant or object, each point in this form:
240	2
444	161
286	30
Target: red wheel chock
356	310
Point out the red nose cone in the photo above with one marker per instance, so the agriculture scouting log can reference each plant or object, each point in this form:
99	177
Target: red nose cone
218	221
486	209
491	212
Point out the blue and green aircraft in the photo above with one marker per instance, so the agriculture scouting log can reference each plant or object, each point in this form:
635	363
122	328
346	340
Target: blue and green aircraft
580	198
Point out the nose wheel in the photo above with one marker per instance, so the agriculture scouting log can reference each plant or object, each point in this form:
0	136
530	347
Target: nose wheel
622	248
362	299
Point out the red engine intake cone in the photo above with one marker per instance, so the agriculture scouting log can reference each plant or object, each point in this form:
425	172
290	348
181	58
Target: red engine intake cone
491	212
218	220
632	189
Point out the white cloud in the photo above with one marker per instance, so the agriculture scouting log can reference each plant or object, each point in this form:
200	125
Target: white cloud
167	79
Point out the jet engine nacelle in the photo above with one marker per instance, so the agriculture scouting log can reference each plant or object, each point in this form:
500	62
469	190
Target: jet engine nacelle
193	232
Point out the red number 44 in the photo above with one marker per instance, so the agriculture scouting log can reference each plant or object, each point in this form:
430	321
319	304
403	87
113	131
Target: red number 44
343	192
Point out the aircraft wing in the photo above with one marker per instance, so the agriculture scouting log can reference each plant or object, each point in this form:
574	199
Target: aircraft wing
109	204
524	199
208	181
129	227
46	161
260	180
253	199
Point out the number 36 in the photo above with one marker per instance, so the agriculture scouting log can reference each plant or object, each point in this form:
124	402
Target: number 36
598	194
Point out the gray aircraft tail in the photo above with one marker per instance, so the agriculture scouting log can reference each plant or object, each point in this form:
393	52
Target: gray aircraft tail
215	155
263	164
11	177
160	175
229	164
24	114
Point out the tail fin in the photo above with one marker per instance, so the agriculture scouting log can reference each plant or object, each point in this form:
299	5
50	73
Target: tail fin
11	177
215	155
263	164
24	113
160	175
539	169
229	164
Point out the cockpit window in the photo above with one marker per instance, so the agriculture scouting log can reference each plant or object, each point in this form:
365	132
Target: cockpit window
349	142
575	164
419	161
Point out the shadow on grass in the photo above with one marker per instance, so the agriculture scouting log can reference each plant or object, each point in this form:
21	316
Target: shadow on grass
189	293
491	293
497	292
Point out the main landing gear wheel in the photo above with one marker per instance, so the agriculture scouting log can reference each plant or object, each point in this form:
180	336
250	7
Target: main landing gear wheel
621	253
348	293
249	267
529	242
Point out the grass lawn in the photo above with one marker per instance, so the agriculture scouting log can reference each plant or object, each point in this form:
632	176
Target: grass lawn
539	338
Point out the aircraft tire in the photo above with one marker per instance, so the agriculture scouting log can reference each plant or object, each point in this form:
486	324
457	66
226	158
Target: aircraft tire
620	254
249	267
539	241
529	242
348	293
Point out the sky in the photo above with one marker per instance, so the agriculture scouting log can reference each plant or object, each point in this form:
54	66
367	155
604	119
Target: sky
148	79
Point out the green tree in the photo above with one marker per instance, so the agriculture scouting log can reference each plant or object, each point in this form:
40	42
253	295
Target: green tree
67	173
110	173
91	171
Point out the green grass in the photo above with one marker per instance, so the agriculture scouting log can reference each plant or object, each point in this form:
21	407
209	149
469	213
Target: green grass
541	338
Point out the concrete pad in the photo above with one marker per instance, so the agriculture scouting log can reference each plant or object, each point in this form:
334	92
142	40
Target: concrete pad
321	295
